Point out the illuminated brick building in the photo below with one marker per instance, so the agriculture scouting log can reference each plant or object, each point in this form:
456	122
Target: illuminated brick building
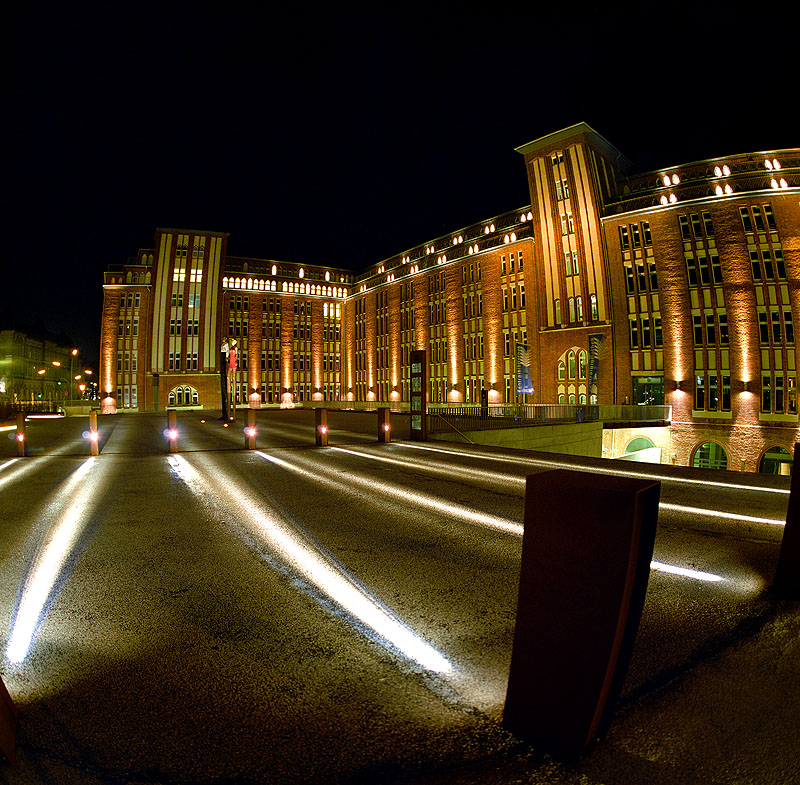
683	282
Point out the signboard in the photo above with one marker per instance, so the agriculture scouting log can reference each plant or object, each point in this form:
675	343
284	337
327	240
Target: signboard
594	358
419	395
524	382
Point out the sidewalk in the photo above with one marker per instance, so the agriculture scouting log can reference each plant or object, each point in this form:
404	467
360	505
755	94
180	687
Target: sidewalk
732	718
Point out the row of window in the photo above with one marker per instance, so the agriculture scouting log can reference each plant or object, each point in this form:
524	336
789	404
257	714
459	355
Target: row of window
706	329
635	235
127	327
640	332
645	274
510	268
193	327
699	223
568	369
132	300
193	300
575	306
712	392
175	361
779	332
754	216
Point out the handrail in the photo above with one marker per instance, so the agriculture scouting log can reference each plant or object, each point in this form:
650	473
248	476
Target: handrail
436	414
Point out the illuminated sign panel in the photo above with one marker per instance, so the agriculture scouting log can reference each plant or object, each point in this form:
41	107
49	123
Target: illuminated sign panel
419	395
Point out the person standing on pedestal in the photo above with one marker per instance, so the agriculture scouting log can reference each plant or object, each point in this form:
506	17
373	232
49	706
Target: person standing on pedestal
224	350
232	354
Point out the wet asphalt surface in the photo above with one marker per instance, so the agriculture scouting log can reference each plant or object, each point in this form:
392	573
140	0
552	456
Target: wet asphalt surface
294	614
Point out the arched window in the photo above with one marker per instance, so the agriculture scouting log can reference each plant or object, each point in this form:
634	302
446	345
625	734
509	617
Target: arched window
558	311
561	399
571	309
572	399
776	460
562	368
638	443
582	399
580	309
183	396
582	365
571	361
710	456
593	301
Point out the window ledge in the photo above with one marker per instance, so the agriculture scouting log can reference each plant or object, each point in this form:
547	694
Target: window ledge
711	414
766	417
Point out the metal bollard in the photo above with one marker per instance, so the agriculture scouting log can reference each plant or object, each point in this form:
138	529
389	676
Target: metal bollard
21	445
384	425
172	430
250	430
321	427
94	436
583	578
787	573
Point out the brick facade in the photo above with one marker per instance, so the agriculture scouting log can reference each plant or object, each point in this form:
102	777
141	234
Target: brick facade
689	276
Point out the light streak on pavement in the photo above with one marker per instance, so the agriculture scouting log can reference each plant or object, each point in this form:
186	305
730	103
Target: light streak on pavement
73	503
321	570
697	575
555	464
402	494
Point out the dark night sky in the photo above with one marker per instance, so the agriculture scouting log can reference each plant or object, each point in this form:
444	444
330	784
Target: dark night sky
339	136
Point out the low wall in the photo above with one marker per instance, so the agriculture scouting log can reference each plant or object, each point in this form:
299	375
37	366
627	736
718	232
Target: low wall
585	439
615	440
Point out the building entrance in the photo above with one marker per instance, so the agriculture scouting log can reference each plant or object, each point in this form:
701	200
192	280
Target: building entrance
648	390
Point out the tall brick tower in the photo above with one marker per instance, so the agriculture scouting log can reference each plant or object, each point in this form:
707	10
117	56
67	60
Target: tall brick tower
571	174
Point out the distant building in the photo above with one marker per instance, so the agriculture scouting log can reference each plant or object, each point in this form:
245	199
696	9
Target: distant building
35	372
671	287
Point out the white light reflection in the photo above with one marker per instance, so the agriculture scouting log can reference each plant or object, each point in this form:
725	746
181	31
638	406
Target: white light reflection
49	561
404	495
499	478
658	566
332	581
617	472
719	514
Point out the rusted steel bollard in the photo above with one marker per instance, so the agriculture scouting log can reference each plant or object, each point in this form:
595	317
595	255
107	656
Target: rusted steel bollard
21	437
172	430
94	436
250	430
384	425
321	427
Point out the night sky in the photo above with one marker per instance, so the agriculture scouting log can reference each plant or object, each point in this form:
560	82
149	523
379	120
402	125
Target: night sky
342	136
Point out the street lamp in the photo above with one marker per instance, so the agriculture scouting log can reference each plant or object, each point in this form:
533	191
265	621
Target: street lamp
73	355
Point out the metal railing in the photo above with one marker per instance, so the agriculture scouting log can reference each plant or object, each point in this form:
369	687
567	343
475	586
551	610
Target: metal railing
9	410
444	417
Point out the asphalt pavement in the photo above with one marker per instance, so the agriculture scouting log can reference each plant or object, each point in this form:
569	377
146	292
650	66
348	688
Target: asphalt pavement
294	614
